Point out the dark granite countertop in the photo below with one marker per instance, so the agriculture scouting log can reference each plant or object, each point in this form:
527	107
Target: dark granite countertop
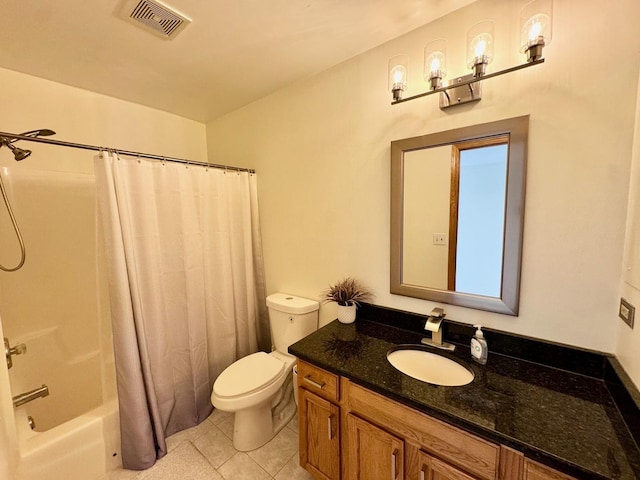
564	419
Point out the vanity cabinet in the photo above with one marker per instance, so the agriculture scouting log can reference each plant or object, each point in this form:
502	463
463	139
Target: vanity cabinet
433	449
319	422
349	432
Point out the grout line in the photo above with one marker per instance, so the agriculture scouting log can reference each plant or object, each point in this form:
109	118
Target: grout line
285	463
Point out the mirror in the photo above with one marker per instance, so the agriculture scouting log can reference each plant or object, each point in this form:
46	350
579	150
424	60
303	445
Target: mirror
457	211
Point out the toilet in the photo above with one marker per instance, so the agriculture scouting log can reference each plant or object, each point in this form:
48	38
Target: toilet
259	388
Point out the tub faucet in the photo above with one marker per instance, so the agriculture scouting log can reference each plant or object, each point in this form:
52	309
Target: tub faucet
9	351
434	325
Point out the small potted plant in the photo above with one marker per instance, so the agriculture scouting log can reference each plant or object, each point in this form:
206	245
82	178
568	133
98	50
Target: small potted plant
348	294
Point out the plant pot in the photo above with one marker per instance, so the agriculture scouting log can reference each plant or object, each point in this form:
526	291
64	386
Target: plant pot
346	313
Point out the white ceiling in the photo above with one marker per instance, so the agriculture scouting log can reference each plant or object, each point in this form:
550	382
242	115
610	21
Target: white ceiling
234	51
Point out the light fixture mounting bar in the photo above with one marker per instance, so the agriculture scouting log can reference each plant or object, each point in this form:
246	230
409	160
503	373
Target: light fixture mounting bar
470	81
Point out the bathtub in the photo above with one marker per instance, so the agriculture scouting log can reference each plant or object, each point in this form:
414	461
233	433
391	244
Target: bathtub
84	448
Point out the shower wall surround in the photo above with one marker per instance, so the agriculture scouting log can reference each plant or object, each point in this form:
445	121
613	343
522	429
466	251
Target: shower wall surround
83	117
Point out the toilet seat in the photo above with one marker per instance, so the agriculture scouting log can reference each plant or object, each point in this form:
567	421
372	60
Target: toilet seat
247	375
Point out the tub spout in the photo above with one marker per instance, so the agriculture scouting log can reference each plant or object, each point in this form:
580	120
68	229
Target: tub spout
30	396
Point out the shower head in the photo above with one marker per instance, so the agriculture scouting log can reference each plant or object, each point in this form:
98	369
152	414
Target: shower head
18	153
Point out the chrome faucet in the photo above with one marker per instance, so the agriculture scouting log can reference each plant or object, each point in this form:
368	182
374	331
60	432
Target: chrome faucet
434	325
30	396
9	351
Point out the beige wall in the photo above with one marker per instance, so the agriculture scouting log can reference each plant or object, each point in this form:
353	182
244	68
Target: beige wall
321	148
79	116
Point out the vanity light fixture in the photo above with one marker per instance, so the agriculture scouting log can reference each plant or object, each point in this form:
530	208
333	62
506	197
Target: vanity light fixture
398	69
535	27
435	57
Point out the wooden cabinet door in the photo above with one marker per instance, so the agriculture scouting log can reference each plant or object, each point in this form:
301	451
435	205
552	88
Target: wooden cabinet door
432	468
319	436
373	454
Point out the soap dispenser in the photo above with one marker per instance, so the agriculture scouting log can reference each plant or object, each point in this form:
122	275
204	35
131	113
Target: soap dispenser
479	350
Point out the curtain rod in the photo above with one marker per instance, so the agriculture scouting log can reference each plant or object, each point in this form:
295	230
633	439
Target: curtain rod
124	152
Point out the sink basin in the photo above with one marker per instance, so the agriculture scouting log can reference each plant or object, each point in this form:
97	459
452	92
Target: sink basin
430	367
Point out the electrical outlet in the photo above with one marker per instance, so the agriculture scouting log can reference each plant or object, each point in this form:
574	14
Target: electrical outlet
626	312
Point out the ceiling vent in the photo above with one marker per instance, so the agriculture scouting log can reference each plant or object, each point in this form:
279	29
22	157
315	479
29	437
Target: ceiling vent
155	17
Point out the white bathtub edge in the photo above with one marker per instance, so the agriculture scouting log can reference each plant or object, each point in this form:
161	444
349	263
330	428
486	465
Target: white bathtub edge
84	448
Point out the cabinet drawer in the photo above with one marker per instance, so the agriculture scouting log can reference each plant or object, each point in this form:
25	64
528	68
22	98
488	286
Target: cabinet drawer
318	381
536	471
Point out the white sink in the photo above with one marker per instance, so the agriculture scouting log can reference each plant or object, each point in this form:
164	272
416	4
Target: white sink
430	367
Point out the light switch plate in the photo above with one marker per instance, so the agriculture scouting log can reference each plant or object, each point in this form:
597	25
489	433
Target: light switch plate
626	312
439	238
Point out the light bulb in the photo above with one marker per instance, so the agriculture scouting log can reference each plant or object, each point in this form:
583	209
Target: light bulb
480	48
399	74
534	31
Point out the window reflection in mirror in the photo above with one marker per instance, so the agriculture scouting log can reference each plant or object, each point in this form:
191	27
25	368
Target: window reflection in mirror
457	215
476	258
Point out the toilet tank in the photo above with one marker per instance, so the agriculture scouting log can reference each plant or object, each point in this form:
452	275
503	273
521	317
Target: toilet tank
291	318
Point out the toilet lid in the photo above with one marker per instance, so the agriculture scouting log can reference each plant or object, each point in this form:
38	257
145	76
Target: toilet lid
248	374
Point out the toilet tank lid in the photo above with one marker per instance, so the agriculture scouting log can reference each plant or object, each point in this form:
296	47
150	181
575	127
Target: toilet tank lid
291	304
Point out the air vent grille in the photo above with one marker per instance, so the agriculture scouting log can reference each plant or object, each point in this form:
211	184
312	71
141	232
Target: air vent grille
155	16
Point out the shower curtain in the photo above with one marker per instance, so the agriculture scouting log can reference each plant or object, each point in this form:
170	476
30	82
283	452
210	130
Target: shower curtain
186	287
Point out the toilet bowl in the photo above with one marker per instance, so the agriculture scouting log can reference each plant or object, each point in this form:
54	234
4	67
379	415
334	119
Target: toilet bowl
259	388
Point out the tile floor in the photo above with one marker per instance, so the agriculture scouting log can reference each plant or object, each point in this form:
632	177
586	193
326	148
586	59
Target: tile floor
206	452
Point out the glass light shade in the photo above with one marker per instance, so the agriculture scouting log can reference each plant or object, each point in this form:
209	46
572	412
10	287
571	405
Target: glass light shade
480	45
435	56
398	71
535	27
